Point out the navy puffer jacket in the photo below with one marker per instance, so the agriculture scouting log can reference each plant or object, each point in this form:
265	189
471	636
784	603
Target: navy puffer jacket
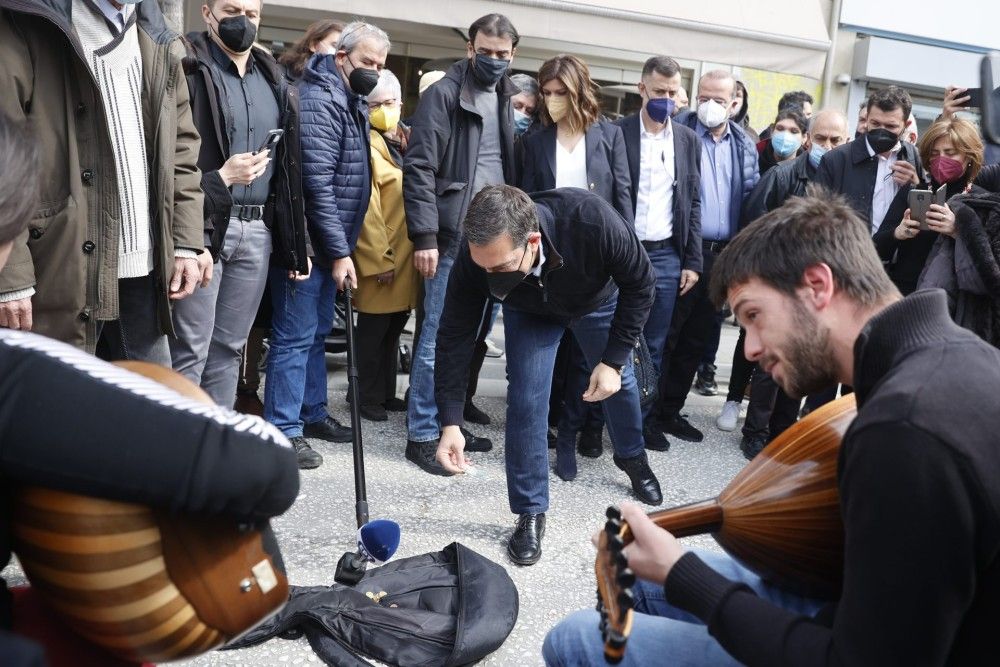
336	172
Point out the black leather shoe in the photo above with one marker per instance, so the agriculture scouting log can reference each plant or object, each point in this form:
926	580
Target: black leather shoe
374	413
679	427
474	415
525	545
654	438
550	435
473	443
590	444
329	429
645	486
307	456
752	445
422	453
248	404
395	405
704	382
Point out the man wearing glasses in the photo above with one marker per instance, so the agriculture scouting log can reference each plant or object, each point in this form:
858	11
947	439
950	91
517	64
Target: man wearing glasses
558	259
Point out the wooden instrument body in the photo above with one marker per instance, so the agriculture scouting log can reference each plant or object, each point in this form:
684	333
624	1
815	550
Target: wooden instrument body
780	516
145	585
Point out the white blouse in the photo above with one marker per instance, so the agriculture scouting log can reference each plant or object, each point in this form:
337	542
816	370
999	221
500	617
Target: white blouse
571	166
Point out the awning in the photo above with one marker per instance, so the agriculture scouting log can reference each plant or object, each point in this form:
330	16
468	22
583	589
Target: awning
788	36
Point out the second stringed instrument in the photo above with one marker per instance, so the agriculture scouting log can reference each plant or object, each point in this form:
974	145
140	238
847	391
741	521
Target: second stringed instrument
145	585
780	516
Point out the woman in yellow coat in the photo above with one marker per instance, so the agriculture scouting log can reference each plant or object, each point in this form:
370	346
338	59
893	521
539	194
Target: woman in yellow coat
387	279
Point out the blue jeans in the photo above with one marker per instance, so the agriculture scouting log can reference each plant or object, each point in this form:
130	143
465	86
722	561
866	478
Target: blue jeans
531	343
667	268
661	633
295	392
422	423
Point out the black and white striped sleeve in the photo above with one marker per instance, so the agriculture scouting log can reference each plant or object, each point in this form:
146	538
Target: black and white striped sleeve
73	422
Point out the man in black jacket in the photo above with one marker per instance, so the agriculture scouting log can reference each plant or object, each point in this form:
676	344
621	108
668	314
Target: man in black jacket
664	160
71	422
559	259
253	200
919	494
461	140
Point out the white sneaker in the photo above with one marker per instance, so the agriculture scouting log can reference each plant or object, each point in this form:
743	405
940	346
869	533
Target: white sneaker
492	351
729	416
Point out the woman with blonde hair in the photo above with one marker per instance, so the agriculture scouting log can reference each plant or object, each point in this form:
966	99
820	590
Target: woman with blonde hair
575	148
952	152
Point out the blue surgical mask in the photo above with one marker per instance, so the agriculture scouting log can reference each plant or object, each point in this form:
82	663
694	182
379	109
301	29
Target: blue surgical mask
522	122
816	154
785	143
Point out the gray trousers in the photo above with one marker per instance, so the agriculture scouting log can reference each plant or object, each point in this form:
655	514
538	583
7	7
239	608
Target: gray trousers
212	324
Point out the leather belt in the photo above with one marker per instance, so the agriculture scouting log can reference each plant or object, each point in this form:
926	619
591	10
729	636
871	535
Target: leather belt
650	246
714	246
247	213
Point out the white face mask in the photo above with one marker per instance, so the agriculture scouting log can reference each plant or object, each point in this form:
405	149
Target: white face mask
712	114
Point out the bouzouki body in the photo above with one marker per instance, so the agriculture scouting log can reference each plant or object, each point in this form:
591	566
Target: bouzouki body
145	585
780	517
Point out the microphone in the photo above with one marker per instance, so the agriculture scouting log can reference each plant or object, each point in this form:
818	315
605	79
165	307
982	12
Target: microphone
378	540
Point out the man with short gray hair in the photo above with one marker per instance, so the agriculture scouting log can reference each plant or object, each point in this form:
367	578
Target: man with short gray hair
561	259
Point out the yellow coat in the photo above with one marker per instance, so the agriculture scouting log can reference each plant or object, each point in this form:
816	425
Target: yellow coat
383	244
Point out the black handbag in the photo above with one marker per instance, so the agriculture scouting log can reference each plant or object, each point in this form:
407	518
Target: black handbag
645	375
451	607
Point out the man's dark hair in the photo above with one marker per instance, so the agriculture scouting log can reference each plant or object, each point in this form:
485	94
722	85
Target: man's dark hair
662	65
19	178
890	99
820	228
795	98
863	105
795	114
497	210
494	25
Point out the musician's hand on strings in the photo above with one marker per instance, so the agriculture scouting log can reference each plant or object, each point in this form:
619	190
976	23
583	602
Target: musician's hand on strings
655	551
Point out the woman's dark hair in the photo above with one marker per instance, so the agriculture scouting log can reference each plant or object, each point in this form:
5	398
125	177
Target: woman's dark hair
494	25
299	53
793	114
19	178
742	117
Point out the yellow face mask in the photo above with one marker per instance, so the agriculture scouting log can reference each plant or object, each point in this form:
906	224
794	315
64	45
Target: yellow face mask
557	106
385	119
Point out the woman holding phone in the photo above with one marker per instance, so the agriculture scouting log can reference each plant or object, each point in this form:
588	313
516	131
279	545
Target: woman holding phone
953	154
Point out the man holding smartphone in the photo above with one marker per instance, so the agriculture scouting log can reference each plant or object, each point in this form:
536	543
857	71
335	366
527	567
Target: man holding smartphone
247	117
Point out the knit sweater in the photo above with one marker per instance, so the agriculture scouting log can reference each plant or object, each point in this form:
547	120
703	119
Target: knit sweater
116	63
920	500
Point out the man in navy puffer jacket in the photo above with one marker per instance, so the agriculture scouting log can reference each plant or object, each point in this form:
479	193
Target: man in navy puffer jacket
336	183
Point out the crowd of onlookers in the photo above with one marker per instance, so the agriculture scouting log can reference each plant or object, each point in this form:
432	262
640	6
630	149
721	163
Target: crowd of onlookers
232	217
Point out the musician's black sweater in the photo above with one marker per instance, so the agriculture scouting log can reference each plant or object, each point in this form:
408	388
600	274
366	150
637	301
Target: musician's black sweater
919	480
72	422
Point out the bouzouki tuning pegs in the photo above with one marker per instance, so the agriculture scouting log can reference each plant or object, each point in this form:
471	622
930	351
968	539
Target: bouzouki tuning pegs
626	578
614	513
615	543
615	640
612	527
626	599
621	561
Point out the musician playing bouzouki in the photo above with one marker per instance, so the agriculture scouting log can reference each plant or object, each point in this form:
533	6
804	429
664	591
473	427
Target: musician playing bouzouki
918	473
71	422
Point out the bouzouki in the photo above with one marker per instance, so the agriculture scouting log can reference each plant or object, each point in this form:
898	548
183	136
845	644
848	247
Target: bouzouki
780	516
145	585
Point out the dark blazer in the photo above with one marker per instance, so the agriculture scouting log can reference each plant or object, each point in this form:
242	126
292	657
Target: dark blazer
687	186
849	170
607	168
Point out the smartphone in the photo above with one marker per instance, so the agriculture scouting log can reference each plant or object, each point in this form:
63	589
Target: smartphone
920	202
975	98
270	141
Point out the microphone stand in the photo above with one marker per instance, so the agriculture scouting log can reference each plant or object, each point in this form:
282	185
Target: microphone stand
351	566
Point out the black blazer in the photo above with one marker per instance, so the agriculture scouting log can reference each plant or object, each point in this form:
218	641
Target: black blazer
851	171
687	186
607	168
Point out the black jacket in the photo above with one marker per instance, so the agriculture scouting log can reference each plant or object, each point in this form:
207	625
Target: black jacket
71	422
850	170
788	179
607	165
284	212
920	500
440	164
687	186
590	253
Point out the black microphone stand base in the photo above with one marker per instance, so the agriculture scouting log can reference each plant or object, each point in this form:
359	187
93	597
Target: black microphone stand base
350	568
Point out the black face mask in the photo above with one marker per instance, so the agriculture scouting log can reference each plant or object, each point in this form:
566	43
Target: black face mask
488	71
361	80
881	139
502	283
237	33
